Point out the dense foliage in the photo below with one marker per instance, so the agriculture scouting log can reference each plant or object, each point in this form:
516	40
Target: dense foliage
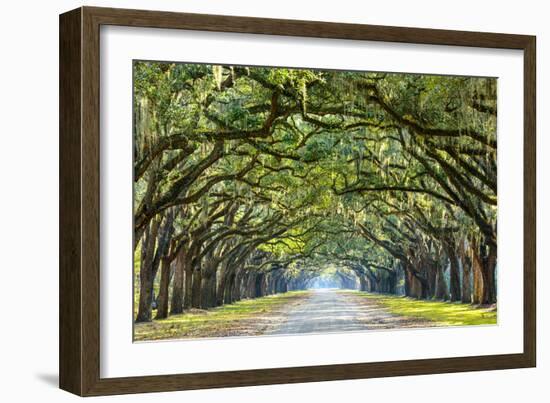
251	181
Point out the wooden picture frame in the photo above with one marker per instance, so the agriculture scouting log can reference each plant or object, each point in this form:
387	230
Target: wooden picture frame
79	346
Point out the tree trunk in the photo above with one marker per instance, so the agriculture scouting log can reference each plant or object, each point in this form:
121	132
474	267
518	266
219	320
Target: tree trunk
440	284
477	270
449	245
177	287
373	283
271	284
220	291
484	266
406	281
188	283
392	282
415	286
362	283
221	286
228	289
489	268
249	285
258	286
196	288
205	292
162	309
163	246
208	291
431	275
466	273
454	274
236	291
146	275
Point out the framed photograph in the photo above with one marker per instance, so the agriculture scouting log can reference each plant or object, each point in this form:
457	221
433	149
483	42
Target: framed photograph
248	201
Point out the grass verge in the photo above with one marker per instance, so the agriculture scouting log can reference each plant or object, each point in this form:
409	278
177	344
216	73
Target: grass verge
444	313
244	318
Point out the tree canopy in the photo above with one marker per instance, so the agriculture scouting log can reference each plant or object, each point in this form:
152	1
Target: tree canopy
255	180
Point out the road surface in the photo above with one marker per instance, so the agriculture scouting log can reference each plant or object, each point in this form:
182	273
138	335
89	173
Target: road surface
330	310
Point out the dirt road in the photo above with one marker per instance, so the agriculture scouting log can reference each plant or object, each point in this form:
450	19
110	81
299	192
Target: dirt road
330	310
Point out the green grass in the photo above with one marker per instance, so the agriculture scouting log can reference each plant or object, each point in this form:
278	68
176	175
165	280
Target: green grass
240	318
444	313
